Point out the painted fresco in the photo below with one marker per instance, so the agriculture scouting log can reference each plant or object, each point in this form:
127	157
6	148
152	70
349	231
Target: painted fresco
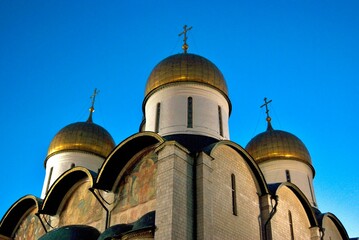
81	207
30	228
133	214
137	190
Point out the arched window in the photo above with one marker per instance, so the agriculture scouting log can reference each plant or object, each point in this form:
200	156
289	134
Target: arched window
234	194
287	175
158	113
220	121
189	112
311	191
49	179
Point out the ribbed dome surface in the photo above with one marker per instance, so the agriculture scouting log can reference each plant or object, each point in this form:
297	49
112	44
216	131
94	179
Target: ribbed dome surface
82	136
186	67
277	144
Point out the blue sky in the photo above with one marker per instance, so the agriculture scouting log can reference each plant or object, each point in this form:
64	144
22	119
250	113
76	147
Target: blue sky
302	54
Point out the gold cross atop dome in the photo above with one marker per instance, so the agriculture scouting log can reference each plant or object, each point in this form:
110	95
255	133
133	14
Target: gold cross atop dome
92	108
267	111
184	33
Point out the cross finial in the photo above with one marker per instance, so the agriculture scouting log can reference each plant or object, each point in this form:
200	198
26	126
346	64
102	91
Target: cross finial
267	112
92	108
184	33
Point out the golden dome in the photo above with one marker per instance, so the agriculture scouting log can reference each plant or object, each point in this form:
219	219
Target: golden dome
82	136
186	67
277	144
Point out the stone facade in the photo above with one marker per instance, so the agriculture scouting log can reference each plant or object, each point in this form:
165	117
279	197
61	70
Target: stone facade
330	228
291	218
174	210
214	194
226	224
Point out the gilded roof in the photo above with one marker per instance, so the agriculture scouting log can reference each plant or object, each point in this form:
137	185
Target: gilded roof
186	67
277	144
82	136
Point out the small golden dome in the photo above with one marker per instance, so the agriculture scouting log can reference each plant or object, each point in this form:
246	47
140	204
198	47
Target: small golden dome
82	136
277	144
187	68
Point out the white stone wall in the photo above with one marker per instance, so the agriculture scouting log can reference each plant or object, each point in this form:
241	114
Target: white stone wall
330	230
174	195
288	201
300	173
63	161
225	225
173	115
204	195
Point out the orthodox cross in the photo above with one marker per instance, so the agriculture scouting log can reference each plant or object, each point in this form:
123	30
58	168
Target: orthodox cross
267	110
93	97
92	108
184	33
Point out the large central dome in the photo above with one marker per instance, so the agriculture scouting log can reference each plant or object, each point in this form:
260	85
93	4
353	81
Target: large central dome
189	68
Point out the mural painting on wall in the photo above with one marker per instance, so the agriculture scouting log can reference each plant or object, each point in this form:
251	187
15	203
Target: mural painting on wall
139	186
30	228
81	207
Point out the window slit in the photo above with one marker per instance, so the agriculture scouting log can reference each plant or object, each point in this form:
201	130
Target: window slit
220	121
158	112
189	112
234	193
49	179
291	225
311	191
287	174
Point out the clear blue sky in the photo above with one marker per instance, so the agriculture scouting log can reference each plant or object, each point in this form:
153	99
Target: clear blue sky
303	54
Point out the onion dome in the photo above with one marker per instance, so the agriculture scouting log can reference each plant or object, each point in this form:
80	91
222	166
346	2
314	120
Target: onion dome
276	145
83	136
186	68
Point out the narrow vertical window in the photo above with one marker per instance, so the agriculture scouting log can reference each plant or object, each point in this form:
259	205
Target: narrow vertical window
49	179
158	113
220	121
287	175
234	193
291	225
311	191
189	112
72	165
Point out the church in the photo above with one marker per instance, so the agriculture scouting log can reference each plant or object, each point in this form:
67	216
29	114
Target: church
179	177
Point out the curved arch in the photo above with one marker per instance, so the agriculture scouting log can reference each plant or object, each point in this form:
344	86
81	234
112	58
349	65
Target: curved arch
72	232
258	175
336	221
121	155
302	198
61	186
16	212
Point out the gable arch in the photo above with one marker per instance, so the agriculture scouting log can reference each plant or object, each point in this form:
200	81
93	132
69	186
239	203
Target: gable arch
255	170
16	213
301	197
336	222
61	186
135	187
119	157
